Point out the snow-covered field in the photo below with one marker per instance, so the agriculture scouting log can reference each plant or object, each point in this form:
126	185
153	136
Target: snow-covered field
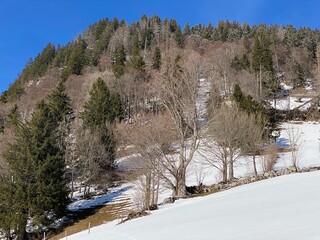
280	208
283	208
308	144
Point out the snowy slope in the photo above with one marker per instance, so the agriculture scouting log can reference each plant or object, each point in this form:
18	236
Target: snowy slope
308	144
283	208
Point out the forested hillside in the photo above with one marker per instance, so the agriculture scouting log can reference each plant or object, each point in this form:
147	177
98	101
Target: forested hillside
75	108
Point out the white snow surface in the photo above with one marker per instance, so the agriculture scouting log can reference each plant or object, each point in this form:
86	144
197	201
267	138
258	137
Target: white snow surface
291	103
281	208
308	151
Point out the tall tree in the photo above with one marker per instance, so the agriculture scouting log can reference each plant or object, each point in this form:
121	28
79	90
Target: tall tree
60	102
100	111
37	166
262	62
119	58
179	88
156	59
101	107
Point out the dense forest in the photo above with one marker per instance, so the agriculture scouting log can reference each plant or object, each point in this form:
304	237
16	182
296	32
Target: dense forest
68	115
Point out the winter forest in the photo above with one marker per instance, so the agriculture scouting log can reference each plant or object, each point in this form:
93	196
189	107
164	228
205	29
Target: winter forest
147	106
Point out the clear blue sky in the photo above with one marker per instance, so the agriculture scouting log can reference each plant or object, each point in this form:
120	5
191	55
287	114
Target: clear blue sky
26	26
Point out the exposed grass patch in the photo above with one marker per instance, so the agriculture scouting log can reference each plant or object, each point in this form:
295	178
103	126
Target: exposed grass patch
284	150
94	217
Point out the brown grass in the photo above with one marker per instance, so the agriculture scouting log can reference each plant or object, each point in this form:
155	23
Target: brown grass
95	217
284	150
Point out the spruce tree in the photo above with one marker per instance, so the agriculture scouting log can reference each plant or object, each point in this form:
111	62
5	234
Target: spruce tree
179	37
102	109
102	106
156	59
78	57
261	54
60	102
38	186
97	108
136	60
119	58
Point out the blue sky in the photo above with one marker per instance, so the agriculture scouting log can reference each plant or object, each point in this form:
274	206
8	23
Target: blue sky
26	26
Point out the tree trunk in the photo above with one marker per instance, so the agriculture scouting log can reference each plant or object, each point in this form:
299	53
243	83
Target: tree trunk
231	160
260	81
231	174
254	165
147	191
157	190
225	171
180	187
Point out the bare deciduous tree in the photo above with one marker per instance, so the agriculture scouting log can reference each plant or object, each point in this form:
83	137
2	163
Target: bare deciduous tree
226	131
251	143
294	137
269	157
91	156
152	137
223	74
179	88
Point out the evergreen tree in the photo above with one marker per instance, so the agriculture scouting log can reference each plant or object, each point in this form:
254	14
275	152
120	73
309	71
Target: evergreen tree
240	63
6	203
100	27
115	23
299	75
101	107
60	105
262	64
156	63
13	119
247	103
238	94
136	60
186	29
78	58
178	36
119	58
37	164
261	54
60	102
